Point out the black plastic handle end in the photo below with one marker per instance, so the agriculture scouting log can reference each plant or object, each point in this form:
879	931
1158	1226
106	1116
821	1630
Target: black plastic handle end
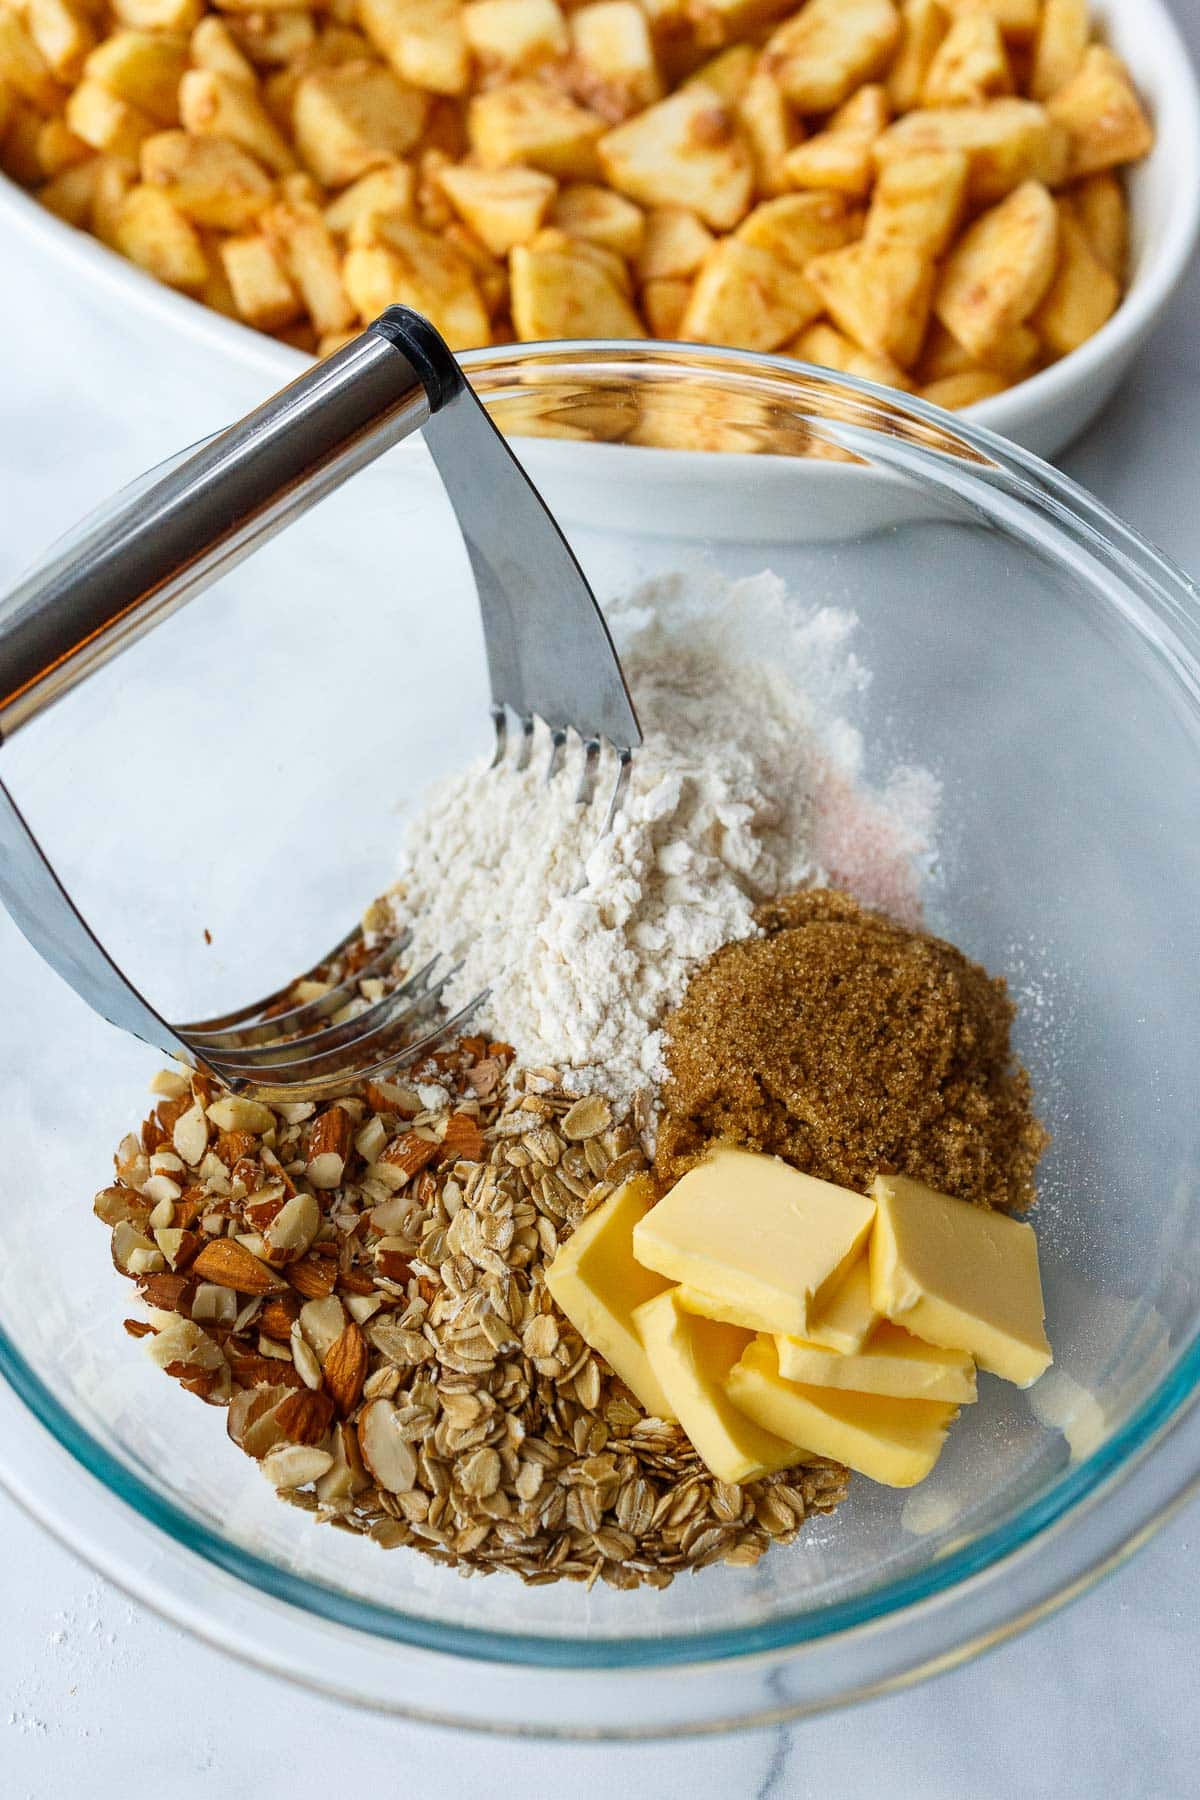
425	349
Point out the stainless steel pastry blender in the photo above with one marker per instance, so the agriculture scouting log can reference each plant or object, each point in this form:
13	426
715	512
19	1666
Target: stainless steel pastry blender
550	658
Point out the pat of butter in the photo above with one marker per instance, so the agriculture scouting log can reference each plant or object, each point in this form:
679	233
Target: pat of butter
891	1362
848	1318
895	1442
707	1306
598	1284
960	1277
844	1322
693	1357
764	1241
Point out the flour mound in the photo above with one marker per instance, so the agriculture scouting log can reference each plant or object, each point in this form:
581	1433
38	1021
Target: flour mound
748	784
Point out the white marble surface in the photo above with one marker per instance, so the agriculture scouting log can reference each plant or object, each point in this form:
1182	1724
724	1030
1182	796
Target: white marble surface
103	1697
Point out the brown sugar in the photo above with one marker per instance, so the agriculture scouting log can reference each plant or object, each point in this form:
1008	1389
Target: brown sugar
850	1046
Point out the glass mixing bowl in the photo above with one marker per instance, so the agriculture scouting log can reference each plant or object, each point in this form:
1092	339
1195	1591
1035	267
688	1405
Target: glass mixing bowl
241	774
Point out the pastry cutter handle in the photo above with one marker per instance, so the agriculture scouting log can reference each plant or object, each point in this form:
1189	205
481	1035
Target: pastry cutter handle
157	545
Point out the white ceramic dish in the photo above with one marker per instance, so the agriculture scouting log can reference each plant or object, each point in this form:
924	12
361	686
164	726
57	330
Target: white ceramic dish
1044	413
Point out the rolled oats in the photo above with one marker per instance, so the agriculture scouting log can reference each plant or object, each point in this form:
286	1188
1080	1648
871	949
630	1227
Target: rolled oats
388	1350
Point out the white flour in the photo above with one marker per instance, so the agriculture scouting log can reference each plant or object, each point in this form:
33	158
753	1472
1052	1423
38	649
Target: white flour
747	785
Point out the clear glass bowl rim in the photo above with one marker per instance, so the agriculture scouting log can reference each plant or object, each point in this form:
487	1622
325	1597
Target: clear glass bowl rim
1008	484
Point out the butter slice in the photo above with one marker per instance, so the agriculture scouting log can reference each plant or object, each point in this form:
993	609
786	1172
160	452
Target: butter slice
844	1322
960	1277
895	1442
847	1318
891	1362
765	1241
707	1306
693	1357
598	1284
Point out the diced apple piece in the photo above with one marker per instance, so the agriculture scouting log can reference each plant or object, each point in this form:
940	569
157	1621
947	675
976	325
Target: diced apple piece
218	106
1098	202
423	40
23	68
515	35
529	122
675	244
918	201
1102	115
942	355
607	261
1006	142
503	207
158	15
714	22
1083	295
965	389
878	294
211	180
664	303
58	148
1062	40
107	122
829	48
770	128
585	210
830	348
1017	19
258	281
432	206
155	235
386	190
353	118
114	178
749	298
923	25
797	227
686	151
216	290
213	46
268	39
970	65
307	250
999	271
391	261
1013	352
865	114
63	34
615	69
70	193
144	68
729	73
491	273
832	164
840	157
1010	355
562	292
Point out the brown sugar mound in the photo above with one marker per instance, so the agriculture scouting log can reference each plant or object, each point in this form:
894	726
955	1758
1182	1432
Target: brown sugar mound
852	1046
